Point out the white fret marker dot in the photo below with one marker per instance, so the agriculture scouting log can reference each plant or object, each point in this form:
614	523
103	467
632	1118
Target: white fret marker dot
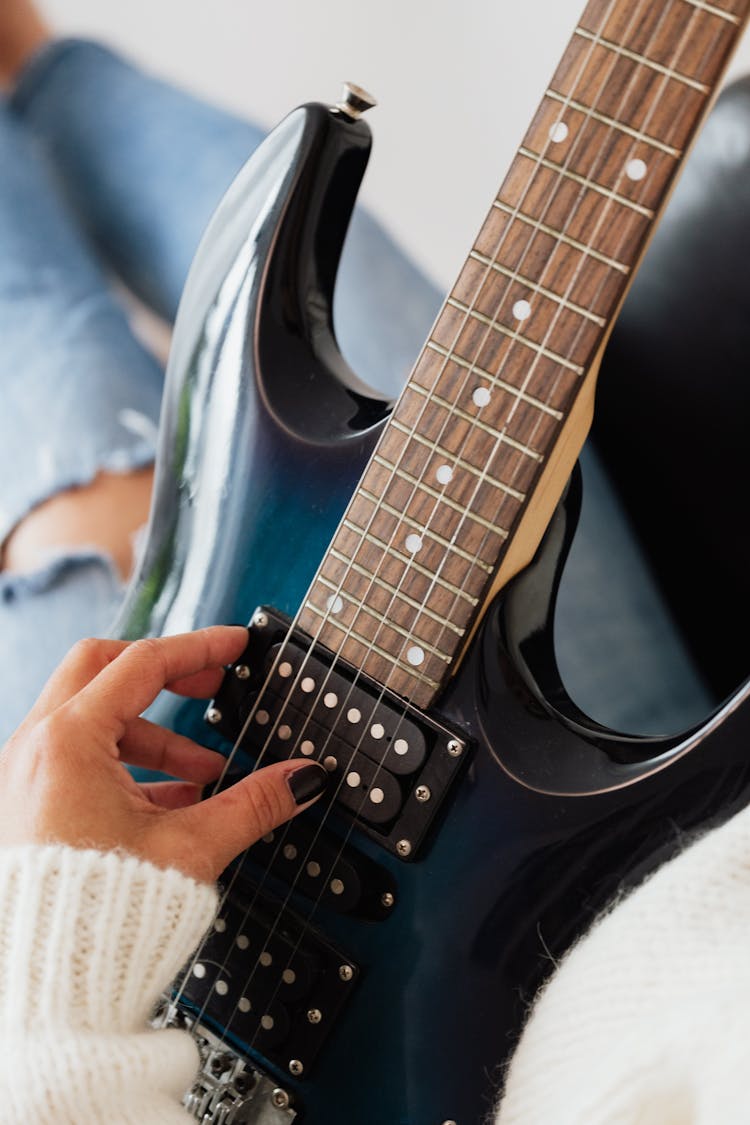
269	837
444	474
415	655
376	795
413	543
635	169
354	714
313	869
289	976
222	987
353	779
261	718
244	1004
290	851
265	959
220	925
307	747
266	1022
330	699
377	730
558	132
481	396
285	732
401	746
522	310
330	763
199	971
243	941
308	684
334	604
285	669
337	886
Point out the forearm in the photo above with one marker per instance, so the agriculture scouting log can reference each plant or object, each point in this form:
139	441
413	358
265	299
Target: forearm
87	943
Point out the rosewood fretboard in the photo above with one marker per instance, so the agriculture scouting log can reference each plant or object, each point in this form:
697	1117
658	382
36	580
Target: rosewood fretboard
412	563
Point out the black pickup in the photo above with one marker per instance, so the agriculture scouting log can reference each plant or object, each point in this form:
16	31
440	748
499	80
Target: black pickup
289	697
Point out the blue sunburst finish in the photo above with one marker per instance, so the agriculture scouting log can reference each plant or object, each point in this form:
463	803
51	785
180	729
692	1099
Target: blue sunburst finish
265	432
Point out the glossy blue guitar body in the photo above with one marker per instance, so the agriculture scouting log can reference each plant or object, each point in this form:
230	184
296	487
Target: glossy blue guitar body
264	434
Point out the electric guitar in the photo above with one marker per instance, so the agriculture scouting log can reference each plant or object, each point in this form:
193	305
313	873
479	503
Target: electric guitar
372	961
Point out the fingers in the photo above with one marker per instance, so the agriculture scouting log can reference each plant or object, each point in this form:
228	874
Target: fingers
84	661
156	748
127	685
227	824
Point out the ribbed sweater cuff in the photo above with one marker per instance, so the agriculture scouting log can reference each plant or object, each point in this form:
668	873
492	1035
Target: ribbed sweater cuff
88	941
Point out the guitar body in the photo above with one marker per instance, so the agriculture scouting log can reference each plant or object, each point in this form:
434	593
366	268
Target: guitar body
264	435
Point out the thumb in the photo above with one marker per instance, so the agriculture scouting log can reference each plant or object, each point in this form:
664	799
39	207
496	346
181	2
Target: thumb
235	819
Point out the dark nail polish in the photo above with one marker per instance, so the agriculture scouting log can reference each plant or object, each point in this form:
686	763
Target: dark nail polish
307	782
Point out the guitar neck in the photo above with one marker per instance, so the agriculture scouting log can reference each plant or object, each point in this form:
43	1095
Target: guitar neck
483	437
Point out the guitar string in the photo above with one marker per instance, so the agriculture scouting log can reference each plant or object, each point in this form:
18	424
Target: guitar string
556	315
332	869
317	902
281	651
249	910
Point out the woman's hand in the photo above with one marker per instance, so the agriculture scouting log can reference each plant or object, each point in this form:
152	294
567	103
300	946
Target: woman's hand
62	778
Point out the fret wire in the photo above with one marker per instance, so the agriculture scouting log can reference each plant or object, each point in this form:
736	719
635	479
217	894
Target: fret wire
542	290
403	518
389	587
714	11
409	560
453	408
592	185
501	328
558	236
460	461
370	646
423	610
626	53
410	479
610	122
516	392
409	634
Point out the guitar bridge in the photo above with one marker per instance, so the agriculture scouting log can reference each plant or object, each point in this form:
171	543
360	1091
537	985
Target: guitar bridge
288	697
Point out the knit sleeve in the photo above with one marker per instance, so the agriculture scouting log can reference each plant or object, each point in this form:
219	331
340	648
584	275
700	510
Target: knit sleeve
88	941
647	1020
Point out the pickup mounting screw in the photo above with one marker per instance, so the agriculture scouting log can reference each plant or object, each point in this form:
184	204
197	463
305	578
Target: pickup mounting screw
403	847
346	972
295	1067
242	672
422	793
314	1015
387	899
454	749
213	715
280	1099
260	620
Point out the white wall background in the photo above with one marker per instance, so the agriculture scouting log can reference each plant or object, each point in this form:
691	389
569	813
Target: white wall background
457	83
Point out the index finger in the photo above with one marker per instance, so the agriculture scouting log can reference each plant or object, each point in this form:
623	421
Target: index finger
132	681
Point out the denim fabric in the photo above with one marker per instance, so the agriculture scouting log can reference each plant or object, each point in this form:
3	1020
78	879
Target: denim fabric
103	168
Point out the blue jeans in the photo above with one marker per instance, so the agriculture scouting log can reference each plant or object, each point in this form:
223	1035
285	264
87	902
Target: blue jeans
106	172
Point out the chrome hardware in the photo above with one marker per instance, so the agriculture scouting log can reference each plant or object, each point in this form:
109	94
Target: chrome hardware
422	793
315	1015
295	1067
228	1090
346	972
355	101
242	672
403	847
213	715
387	899
259	620
454	749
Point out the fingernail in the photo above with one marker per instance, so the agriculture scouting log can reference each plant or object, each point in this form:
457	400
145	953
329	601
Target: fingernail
307	782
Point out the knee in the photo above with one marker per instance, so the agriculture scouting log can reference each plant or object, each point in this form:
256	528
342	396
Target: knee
104	514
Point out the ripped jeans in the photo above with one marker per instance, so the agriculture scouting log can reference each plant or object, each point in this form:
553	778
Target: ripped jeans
107	173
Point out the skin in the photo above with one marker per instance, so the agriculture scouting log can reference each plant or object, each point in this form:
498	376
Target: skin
62	775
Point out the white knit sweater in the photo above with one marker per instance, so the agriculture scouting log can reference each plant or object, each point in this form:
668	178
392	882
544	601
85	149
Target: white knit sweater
645	1023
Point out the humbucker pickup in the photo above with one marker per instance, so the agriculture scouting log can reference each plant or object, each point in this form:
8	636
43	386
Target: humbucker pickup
289	697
